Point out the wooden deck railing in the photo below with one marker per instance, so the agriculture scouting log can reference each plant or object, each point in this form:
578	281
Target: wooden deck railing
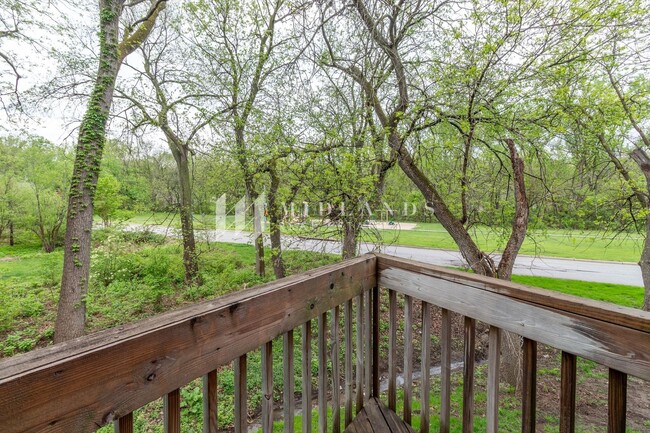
84	384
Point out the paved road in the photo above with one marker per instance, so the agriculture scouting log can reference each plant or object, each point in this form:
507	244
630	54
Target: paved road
571	269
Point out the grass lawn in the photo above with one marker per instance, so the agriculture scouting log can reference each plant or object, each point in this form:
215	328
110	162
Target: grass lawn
593	245
553	243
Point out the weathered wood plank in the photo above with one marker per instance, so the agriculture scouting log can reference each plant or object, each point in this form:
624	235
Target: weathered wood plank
322	373
392	350
469	362
210	402
529	387
375	341
614	346
241	395
288	388
367	337
349	383
172	412
359	353
568	393
616	402
140	362
267	387
445	371
393	420
408	358
336	379
494	358
425	362
123	424
306	377
615	314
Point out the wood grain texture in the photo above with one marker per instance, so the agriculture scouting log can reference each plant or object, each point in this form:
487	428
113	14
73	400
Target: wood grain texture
602	311
124	424
616	402
408	358
568	393
359	353
445	371
469	362
241	395
425	363
614	346
529	387
322	373
349	382
210	402
367	338
143	361
267	387
288	388
172	412
375	341
336	376
494	361
392	350
377	418
306	377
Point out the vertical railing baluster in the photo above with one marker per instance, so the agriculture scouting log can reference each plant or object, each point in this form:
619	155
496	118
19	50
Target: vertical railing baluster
616	401
375	342
336	379
425	365
348	362
322	373
494	361
241	395
124	424
529	387
306	377
288	389
172	412
408	357
267	387
445	371
568	393
367	337
210	402
392	350
468	374
359	353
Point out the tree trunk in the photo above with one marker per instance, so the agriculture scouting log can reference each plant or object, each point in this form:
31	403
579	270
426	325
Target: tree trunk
71	314
275	218
511	360
12	240
478	261
190	258
350	234
643	161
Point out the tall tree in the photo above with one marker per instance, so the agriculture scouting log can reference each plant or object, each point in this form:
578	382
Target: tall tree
113	49
243	44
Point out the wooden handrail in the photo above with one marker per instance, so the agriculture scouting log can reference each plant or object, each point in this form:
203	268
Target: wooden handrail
613	336
81	385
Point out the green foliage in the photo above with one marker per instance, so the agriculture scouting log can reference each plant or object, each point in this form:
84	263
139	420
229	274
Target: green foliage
108	199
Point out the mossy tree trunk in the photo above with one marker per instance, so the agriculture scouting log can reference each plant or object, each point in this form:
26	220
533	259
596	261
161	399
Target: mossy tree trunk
71	314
